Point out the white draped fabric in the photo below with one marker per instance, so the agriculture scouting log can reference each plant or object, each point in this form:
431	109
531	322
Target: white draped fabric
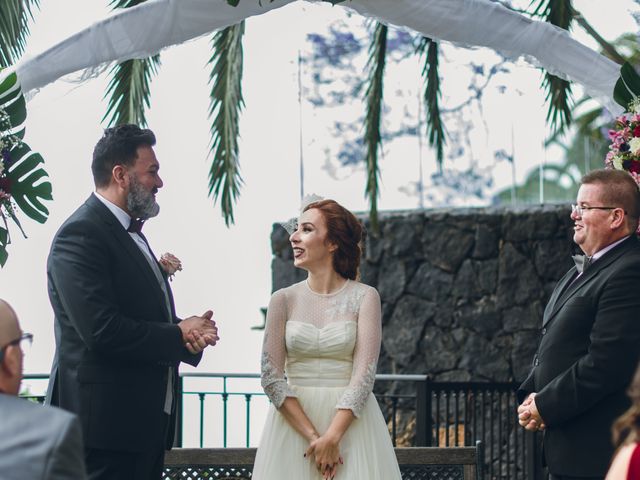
149	27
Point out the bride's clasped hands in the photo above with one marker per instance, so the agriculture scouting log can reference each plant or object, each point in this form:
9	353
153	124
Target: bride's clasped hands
325	452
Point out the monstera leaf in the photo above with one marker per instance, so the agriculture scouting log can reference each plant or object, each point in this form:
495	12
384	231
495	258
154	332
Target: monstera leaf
22	177
28	183
627	87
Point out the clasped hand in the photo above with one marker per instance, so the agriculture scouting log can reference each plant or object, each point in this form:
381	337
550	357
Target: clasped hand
326	453
199	332
528	415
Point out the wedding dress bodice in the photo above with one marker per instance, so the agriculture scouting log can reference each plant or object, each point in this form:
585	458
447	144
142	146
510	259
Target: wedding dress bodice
320	356
330	340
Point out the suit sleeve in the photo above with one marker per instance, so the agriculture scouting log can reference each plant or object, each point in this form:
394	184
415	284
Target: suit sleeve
66	460
78	269
611	358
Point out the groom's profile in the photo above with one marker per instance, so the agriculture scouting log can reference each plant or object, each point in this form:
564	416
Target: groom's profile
118	339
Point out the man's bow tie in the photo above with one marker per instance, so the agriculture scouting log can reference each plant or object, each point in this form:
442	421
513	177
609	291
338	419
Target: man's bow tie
135	226
582	262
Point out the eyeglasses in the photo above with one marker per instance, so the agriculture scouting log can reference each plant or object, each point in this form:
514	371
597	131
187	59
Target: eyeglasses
579	210
27	337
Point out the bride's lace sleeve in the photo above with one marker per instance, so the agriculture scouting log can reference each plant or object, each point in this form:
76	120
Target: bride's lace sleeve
365	355
274	351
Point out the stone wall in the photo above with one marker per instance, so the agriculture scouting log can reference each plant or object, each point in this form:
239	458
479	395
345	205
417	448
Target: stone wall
462	290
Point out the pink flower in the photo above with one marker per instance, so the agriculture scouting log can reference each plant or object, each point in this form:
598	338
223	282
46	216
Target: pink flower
170	264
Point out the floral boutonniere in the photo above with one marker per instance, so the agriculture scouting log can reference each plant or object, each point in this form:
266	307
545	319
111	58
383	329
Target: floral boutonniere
170	264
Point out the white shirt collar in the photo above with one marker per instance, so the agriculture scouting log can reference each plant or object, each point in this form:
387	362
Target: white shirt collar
600	253
122	216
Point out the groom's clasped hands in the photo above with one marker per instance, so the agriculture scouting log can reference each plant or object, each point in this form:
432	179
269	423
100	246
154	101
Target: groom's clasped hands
199	332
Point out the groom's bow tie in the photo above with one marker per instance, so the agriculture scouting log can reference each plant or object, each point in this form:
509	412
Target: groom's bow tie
135	226
582	262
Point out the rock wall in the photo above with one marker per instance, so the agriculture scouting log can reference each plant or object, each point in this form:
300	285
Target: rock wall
463	291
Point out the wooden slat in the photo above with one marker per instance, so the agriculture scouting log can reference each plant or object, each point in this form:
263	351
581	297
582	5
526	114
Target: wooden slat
436	455
246	456
210	456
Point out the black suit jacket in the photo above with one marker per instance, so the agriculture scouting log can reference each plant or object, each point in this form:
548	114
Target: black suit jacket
585	361
114	338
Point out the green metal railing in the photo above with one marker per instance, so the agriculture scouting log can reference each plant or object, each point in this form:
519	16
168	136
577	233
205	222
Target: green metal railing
446	413
224	394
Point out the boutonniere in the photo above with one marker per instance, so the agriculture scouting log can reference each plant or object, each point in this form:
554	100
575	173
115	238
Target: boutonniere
170	264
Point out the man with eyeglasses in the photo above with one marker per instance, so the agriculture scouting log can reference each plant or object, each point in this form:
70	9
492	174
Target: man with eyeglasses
590	337
35	441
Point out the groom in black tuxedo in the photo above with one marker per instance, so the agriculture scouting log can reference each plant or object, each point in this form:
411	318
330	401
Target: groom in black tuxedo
590	333
118	339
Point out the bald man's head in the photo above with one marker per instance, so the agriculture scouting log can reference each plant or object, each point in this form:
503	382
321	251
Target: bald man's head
11	360
9	327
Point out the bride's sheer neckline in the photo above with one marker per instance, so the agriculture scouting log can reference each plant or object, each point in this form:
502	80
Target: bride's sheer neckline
331	294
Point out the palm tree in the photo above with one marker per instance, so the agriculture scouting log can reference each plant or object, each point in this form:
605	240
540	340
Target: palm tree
584	150
128	92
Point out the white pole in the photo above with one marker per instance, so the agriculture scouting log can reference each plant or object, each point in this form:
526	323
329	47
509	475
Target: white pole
300	129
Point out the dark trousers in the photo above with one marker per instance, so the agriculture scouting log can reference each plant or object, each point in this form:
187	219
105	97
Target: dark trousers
120	465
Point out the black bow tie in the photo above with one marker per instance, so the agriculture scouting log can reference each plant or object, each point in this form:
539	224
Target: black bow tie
582	262
135	226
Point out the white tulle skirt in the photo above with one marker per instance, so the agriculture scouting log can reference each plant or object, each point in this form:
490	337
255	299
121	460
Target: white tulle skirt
365	448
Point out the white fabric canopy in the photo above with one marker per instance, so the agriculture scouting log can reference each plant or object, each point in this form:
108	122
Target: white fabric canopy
147	28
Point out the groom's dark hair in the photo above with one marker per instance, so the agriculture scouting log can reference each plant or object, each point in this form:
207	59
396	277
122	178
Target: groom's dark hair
118	146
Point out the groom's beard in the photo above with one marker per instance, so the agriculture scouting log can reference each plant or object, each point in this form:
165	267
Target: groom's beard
140	201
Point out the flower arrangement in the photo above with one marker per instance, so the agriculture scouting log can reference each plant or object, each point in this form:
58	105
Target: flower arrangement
23	181
624	151
170	264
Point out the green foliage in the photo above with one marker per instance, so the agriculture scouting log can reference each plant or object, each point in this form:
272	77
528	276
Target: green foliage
22	175
28	183
129	88
561	14
14	28
373	99
225	107
435	127
628	85
129	91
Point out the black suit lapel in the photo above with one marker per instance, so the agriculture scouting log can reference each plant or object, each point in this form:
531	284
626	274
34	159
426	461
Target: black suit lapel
128	244
561	295
560	289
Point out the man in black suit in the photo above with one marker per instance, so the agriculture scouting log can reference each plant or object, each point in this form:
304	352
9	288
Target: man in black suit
118	340
590	333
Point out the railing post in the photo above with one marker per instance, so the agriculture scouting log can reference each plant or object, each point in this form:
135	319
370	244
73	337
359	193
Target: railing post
533	456
424	422
247	397
225	397
177	439
201	395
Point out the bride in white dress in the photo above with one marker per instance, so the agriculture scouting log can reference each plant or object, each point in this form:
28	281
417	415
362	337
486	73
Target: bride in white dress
320	351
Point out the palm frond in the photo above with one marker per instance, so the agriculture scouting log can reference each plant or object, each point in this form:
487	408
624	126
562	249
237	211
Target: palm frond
435	126
125	3
372	137
560	100
226	104
129	90
14	28
560	14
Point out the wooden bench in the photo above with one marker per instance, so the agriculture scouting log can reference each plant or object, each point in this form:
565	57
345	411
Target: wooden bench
450	463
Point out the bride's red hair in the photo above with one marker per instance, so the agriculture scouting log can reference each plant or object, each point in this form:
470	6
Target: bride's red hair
345	231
